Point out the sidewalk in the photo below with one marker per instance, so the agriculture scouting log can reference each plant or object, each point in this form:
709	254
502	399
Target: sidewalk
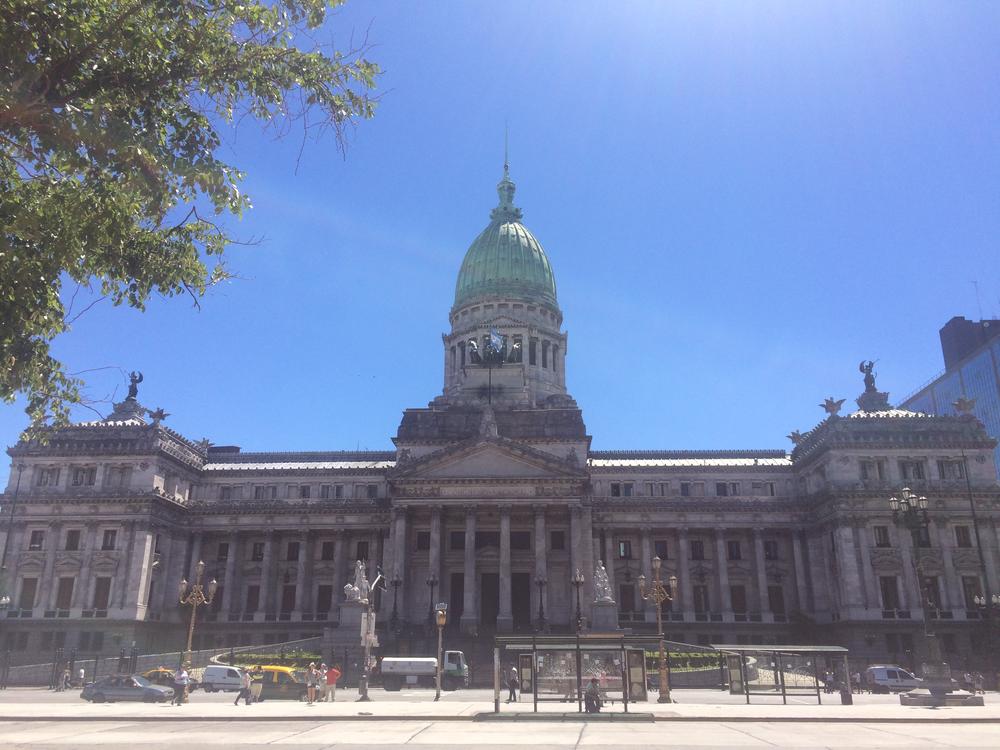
470	705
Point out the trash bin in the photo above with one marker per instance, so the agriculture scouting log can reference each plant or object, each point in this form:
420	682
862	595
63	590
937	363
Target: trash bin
846	698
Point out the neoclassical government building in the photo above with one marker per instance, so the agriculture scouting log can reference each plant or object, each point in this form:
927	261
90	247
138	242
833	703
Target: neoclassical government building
491	500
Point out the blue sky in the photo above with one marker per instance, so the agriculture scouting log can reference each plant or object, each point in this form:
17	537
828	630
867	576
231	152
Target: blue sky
740	202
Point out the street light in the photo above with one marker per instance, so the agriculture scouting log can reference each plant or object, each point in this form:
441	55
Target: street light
5	667
194	596
442	620
981	601
658	594
909	510
395	582
577	581
540	582
432	581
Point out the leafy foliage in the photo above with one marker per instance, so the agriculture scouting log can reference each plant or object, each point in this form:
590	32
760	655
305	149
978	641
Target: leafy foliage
109	174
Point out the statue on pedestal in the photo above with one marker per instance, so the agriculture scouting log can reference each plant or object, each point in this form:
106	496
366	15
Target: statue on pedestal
358	591
602	586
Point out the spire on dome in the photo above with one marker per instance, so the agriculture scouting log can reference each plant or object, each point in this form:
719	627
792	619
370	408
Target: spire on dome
506	210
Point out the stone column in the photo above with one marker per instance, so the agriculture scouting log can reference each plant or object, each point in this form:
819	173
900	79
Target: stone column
46	585
867	572
761	565
684	572
847	568
303	576
722	575
85	581
399	561
609	561
909	595
229	586
470	617
587	553
541	563
434	553
505	619
646	566
339	571
951	593
125	564
266	575
141	562
167	584
801	589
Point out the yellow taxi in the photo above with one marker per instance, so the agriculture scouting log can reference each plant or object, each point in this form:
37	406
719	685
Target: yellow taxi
280	683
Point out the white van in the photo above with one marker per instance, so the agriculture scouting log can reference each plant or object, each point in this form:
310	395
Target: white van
219	677
887	678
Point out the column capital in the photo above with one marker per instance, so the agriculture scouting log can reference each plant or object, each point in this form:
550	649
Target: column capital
470	510
682	531
758	531
539	509
505	509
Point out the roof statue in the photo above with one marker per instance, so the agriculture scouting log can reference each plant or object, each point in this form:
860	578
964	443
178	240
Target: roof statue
796	437
872	399
133	386
832	407
358	591
964	406
602	586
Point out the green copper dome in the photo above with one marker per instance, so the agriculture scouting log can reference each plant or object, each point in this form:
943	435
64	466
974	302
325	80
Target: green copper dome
506	260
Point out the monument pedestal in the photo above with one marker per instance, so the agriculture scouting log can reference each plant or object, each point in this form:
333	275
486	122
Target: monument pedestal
604	617
938	690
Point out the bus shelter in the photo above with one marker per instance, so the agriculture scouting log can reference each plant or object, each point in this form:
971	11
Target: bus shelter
782	670
558	668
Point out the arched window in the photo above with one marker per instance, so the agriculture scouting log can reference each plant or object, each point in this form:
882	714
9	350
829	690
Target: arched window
545	354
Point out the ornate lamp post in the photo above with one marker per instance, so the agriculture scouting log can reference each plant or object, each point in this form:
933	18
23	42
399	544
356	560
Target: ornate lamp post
909	510
432	582
442	620
4	604
577	581
540	583
658	594
194	596
395	582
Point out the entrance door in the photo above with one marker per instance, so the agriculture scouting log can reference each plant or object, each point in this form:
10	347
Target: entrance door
456	600
489	601
520	600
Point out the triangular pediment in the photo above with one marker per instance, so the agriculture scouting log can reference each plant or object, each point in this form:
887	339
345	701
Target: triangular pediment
489	458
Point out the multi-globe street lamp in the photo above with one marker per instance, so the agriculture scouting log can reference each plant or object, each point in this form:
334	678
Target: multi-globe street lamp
395	582
540	583
577	581
195	595
658	594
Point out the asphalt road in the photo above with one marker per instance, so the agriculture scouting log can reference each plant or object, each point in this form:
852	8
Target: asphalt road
423	735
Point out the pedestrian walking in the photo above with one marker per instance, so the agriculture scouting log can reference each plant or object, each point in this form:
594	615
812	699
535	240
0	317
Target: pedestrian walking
82	675
856	682
67	679
245	682
330	683
256	684
513	685
312	678
181	680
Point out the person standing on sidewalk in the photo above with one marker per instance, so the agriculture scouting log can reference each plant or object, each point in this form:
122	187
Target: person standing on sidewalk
330	683
181	680
513	684
312	676
245	682
256	684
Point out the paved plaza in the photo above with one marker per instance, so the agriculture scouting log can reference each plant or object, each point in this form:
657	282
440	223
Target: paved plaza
41	719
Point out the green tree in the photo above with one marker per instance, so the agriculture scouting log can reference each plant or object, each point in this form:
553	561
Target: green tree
109	133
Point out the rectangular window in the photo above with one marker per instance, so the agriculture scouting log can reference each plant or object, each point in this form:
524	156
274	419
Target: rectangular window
776	599
697	549
84	477
338	492
770	549
109	539
372	491
616	489
257	551
324	492
557	540
47	477
326	550
685	489
287	597
963	537
763	489
872	470
734	489
520	540
664	489
222	553
29	587
911	470
423	540
932	591
102	593
37	540
456	539
660	548
971	588
362	551
486	539
304	490
721	489
624	549
650	489
253	598
733	550
951	470
73	540
701	604
292	552
738	596
890	592
64	593
545	354
626	597
324	598
225	492
533	351
881	536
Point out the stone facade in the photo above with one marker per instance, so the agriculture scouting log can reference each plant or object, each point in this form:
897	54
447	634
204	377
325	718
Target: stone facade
490	502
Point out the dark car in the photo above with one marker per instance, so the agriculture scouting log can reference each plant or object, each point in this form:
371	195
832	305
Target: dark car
125	688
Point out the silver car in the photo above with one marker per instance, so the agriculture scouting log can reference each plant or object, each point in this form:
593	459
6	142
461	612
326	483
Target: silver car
125	688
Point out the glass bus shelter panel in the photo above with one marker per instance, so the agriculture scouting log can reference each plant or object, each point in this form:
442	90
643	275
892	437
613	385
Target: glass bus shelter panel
733	666
636	674
799	672
556	674
607	667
